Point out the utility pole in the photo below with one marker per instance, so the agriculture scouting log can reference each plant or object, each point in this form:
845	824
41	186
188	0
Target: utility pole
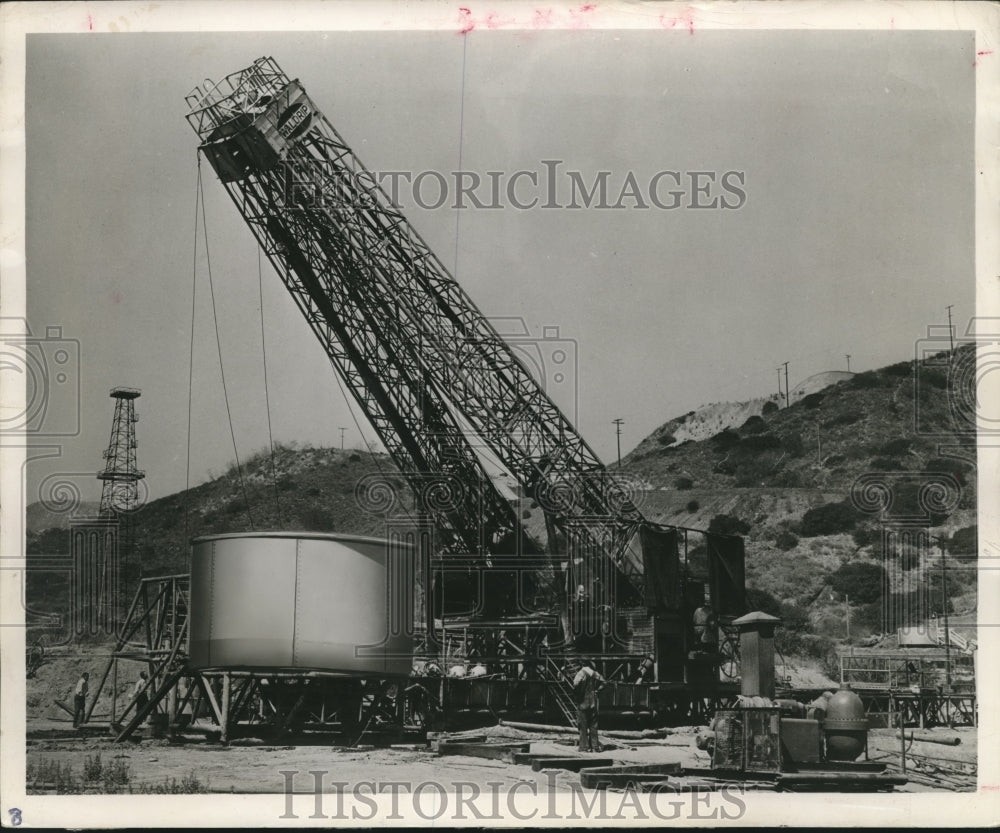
848	356
951	332
342	430
787	401
944	611
618	435
847	608
779	382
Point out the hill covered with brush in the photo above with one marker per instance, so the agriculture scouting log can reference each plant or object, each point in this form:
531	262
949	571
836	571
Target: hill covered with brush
784	478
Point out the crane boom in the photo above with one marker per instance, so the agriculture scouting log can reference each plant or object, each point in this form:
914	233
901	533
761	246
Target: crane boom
423	362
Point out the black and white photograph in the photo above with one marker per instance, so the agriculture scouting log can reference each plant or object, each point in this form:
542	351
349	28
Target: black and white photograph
499	415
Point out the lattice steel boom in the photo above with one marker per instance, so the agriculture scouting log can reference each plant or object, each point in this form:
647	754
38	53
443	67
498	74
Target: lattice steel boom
426	366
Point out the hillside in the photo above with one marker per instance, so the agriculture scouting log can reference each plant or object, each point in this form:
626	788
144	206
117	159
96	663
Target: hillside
311	489
784	477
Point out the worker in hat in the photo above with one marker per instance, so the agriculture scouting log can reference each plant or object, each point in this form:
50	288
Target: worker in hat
80	699
586	684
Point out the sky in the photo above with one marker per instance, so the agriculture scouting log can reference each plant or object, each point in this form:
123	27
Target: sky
855	151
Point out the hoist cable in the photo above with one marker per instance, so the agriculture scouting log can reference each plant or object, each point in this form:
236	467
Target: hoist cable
218	342
267	398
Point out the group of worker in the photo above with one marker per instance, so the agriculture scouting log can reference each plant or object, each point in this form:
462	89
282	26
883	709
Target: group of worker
139	694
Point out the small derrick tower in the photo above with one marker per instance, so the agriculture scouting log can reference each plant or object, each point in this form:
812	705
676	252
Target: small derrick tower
120	492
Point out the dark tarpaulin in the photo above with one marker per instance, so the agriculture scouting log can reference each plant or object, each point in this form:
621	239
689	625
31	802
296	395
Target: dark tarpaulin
726	576
661	568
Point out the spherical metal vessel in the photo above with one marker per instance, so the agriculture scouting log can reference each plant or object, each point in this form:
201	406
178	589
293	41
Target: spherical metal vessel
845	726
300	600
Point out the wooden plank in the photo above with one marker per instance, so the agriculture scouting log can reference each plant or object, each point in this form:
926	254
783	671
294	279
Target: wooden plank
573	764
493	751
603	777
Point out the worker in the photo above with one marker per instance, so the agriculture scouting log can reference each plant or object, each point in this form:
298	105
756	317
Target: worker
645	670
478	670
456	671
80	699
139	692
706	633
586	684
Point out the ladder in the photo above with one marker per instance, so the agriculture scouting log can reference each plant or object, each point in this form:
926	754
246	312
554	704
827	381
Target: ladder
562	692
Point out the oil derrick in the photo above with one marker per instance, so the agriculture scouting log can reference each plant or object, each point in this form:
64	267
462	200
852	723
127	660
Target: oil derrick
119	500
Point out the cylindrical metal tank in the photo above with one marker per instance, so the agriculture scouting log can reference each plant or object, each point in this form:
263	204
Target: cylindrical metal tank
300	600
845	726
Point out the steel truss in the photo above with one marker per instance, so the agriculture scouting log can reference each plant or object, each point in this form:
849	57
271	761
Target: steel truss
422	361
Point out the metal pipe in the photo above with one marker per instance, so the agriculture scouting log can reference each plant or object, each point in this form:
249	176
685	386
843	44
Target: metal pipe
931	739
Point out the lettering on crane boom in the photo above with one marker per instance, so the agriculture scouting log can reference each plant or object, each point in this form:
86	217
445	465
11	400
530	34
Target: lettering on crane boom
294	121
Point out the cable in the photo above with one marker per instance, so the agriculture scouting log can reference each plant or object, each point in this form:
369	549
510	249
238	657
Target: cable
461	137
194	288
267	398
218	342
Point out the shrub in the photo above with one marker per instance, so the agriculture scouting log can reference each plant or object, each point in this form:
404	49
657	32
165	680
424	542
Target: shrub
931	377
683	483
726	438
794	617
786	540
728	525
842	419
965	541
829	519
92	768
355	458
948	465
868	379
117	775
865	535
787	478
793	444
770	407
887	464
813	400
754	425
666	439
759	442
763	601
900	369
860	580
896	447
693	506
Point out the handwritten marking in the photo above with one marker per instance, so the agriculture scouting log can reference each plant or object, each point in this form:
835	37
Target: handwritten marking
467	24
15	817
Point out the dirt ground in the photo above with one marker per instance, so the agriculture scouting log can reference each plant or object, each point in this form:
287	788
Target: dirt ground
253	766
